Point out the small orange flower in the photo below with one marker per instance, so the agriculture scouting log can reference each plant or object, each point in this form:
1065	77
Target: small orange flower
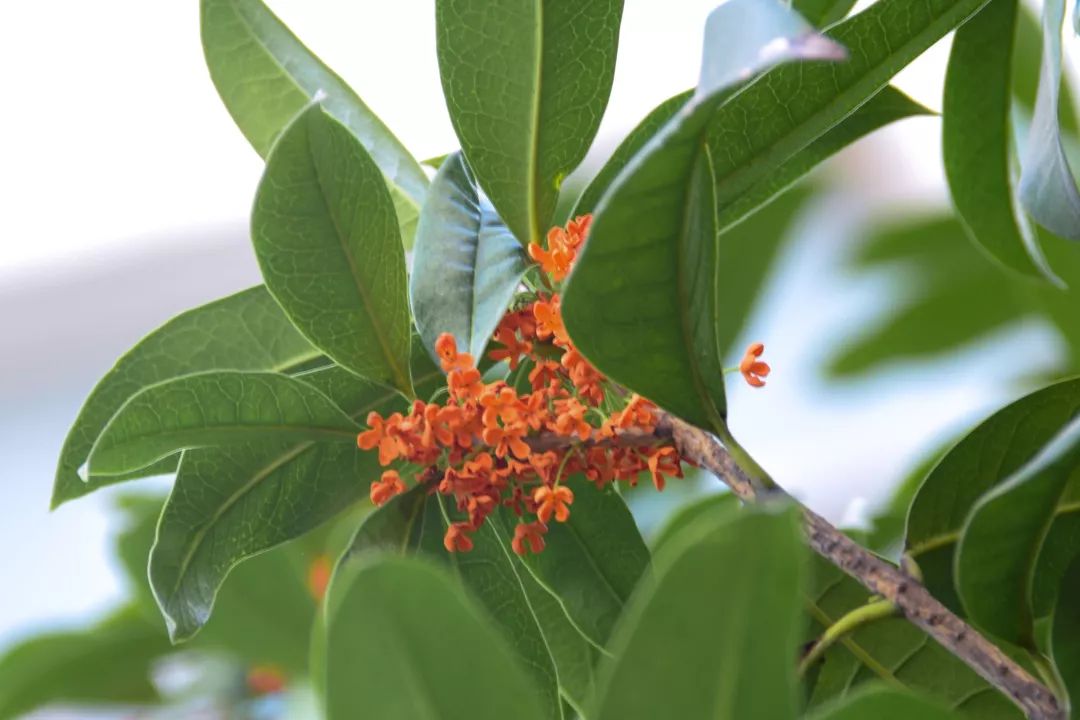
465	384
528	537
383	434
752	369
507	438
449	357
553	501
501	403
457	538
664	461
549	321
318	577
570	419
512	349
387	487
265	680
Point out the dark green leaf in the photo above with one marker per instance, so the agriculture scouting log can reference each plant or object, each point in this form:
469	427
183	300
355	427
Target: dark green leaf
1047	185
714	635
330	251
642	301
1000	543
881	703
404	643
266	76
526	83
631	145
593	561
1065	633
762	127
108	664
292	487
823	12
466	265
977	138
214	408
993	451
895	651
246	331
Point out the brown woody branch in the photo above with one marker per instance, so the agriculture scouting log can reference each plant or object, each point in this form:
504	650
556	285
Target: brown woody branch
879	577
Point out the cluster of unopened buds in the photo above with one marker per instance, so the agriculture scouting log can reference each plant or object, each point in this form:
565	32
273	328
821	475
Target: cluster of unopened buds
514	444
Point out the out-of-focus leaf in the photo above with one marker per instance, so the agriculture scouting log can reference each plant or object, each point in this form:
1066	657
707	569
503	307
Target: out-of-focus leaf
292	487
404	643
881	703
1003	535
631	145
823	12
214	408
898	653
691	646
327	242
759	130
1065	633
593	561
992	452
466	265
704	510
246	331
414	524
108	664
642	300
1047	185
526	83
977	139
266	76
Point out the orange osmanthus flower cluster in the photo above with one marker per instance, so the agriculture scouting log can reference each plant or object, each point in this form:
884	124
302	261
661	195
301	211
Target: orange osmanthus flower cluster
479	437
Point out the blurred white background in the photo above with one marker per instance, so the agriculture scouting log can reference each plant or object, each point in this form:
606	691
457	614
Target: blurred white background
125	190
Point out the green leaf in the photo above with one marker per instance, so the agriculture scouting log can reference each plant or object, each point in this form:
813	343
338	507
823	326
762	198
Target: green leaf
823	13
642	300
526	83
246	331
1065	633
896	652
291	486
403	642
631	145
1000	543
109	664
704	510
214	408
999	447
977	138
266	76
1047	184
881	703
762	127
714	635
466	265
328	245
593	561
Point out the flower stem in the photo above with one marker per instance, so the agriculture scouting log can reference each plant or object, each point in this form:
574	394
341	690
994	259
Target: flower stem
857	618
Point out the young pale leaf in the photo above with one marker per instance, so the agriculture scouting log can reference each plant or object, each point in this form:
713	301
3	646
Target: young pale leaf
404	643
996	449
896	652
713	635
641	302
593	561
1047	185
214	408
466	264
526	83
109	665
246	331
759	129
882	703
1000	543
292	486
327	242
977	138
266	76
1065	632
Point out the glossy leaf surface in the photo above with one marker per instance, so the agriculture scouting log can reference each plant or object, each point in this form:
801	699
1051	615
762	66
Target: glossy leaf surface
886	704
